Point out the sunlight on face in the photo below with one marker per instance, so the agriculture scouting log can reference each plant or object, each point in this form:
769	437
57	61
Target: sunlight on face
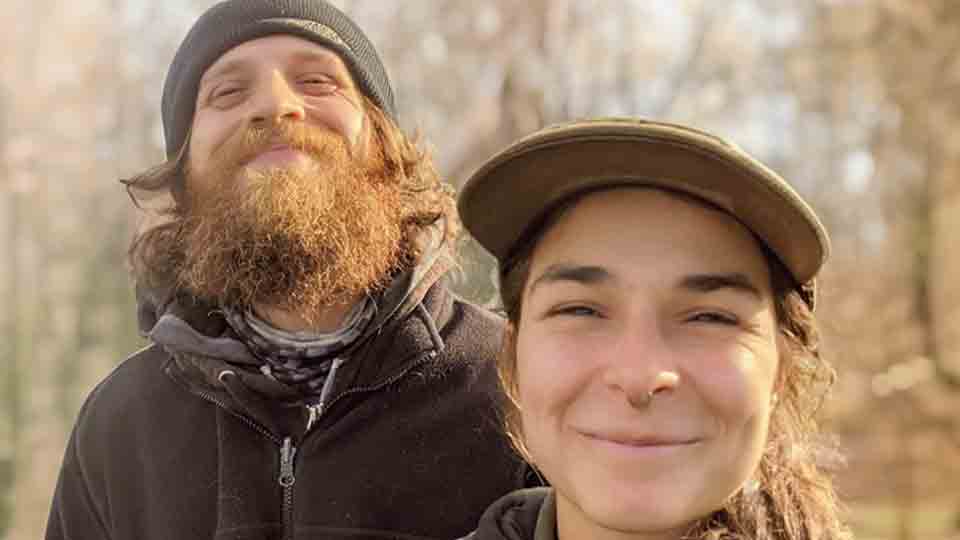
273	78
636	291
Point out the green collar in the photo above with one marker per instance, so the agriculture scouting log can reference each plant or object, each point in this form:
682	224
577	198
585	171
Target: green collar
547	519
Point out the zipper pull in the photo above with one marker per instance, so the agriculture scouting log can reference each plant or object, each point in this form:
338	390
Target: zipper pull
313	413
287	452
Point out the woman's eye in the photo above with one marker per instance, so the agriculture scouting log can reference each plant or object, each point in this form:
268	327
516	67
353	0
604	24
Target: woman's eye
714	317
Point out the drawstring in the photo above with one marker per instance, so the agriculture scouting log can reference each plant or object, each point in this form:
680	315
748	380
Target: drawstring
438	344
328	384
268	372
234	386
315	408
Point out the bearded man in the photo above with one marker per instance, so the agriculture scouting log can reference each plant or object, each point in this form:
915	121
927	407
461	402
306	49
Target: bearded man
310	374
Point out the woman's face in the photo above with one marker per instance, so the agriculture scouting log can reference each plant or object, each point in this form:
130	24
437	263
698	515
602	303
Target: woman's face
646	359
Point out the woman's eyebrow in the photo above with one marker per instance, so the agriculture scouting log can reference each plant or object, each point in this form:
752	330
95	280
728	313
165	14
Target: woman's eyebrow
707	283
583	274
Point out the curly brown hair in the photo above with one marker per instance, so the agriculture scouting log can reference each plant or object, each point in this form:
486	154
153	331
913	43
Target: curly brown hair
427	200
795	498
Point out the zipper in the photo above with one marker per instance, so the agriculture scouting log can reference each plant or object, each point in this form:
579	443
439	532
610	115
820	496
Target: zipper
288	452
315	411
250	423
287	478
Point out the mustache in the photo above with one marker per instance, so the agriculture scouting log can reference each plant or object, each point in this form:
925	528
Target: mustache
249	141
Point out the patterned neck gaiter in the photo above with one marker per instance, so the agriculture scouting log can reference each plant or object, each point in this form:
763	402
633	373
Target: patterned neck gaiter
300	359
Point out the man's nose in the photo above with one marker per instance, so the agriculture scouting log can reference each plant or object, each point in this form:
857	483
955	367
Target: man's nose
276	100
641	366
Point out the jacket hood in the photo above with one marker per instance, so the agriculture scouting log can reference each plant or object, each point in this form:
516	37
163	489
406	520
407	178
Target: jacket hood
211	359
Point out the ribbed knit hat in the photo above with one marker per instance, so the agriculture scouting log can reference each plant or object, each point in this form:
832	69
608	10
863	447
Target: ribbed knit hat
233	22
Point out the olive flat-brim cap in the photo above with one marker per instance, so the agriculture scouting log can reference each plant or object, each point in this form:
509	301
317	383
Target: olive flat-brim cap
515	189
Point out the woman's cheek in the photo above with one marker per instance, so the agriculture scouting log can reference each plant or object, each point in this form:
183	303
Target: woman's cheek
740	382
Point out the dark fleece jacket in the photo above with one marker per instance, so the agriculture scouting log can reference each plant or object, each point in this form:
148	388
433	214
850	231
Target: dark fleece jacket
408	446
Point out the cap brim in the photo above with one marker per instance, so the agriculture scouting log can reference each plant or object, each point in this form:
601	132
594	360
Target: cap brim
516	187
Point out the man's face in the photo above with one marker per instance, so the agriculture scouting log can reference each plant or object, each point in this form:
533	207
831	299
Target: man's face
290	203
268	80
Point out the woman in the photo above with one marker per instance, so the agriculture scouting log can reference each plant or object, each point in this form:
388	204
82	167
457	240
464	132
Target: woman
662	357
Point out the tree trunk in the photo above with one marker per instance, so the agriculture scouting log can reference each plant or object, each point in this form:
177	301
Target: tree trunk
10	341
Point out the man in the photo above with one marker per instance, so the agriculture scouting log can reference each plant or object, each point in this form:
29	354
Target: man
310	375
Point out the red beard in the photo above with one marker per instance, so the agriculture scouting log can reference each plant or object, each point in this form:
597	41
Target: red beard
299	238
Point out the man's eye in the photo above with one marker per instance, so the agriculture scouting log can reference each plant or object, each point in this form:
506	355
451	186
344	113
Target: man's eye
714	317
576	311
318	83
225	93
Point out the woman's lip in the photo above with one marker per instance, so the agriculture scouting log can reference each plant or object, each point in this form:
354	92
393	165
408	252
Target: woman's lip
640	448
641	441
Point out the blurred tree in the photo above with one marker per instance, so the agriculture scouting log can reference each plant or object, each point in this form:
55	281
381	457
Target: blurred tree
889	72
853	101
10	407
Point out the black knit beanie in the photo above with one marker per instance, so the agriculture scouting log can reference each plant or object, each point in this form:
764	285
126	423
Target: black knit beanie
233	22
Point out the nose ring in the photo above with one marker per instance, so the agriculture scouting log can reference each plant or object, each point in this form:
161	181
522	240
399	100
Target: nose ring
645	400
649	397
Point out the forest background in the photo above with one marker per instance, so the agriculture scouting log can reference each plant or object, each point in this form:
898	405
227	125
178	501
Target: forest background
855	101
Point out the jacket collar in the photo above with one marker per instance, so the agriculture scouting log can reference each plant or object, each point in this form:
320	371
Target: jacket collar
525	514
382	358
